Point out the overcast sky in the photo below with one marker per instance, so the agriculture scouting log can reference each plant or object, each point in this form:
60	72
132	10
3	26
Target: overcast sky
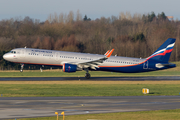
40	9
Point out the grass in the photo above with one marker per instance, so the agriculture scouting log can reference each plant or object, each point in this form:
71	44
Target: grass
59	73
87	88
140	115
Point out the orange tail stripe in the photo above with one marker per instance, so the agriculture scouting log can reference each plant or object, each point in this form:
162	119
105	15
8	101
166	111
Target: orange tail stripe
109	54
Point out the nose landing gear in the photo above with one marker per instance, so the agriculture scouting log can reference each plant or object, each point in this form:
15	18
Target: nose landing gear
41	68
22	65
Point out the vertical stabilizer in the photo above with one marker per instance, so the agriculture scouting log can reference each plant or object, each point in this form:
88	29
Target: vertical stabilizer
164	51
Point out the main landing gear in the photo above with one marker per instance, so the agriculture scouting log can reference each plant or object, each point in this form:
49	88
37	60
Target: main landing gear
22	65
87	75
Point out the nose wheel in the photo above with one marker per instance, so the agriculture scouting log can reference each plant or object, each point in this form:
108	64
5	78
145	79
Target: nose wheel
41	68
22	66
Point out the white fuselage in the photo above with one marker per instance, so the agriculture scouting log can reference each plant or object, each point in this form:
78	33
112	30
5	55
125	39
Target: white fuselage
58	58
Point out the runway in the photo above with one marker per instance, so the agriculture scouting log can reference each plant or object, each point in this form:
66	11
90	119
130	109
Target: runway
157	78
23	107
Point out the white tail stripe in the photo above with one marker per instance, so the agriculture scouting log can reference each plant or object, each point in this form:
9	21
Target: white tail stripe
171	45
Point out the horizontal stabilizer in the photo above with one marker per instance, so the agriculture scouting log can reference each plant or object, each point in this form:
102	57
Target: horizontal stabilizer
161	65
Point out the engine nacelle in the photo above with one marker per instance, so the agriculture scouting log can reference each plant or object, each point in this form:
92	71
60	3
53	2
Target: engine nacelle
69	67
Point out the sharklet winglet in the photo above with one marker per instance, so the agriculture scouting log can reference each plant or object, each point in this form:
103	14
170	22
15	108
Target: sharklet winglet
107	52
110	53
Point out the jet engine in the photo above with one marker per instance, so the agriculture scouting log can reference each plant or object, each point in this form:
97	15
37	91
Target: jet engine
69	67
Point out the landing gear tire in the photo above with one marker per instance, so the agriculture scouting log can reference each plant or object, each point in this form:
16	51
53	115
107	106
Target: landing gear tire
87	76
22	66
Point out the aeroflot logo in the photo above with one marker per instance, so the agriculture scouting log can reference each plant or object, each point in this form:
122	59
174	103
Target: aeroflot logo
69	68
43	51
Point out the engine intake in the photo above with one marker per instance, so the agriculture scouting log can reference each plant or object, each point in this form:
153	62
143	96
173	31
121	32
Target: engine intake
69	67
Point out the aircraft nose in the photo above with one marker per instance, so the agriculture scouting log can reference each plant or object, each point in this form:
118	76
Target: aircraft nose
6	56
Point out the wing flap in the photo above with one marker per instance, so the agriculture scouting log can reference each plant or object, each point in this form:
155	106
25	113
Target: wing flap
94	63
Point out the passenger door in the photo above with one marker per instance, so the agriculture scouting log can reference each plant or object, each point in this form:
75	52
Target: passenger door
57	56
145	66
22	53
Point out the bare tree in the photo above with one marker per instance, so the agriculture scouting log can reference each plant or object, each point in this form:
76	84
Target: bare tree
50	18
70	17
122	16
128	15
55	18
61	18
78	16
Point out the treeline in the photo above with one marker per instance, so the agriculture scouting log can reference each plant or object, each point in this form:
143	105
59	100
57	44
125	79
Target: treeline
130	35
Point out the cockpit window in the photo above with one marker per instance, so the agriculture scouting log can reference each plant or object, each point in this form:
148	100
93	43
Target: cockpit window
13	52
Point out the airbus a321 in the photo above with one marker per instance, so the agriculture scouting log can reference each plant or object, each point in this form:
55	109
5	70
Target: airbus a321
74	61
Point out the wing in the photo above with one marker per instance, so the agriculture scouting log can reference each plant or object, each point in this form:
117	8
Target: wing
94	63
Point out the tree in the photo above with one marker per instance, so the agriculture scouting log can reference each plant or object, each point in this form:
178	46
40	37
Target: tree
162	16
55	19
78	16
50	18
139	36
61	18
86	18
151	16
70	17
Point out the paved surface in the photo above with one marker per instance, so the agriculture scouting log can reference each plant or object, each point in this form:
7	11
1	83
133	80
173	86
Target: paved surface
92	78
21	107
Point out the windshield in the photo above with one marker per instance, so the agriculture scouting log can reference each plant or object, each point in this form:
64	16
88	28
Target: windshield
14	52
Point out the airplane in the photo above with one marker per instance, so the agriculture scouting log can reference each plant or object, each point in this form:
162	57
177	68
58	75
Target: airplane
75	61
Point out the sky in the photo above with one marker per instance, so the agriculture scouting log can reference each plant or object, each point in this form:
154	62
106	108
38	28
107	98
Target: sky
41	9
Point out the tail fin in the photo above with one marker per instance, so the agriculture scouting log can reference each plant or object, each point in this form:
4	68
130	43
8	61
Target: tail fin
164	51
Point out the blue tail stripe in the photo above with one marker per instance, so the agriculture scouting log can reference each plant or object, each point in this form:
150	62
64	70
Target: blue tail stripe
164	51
